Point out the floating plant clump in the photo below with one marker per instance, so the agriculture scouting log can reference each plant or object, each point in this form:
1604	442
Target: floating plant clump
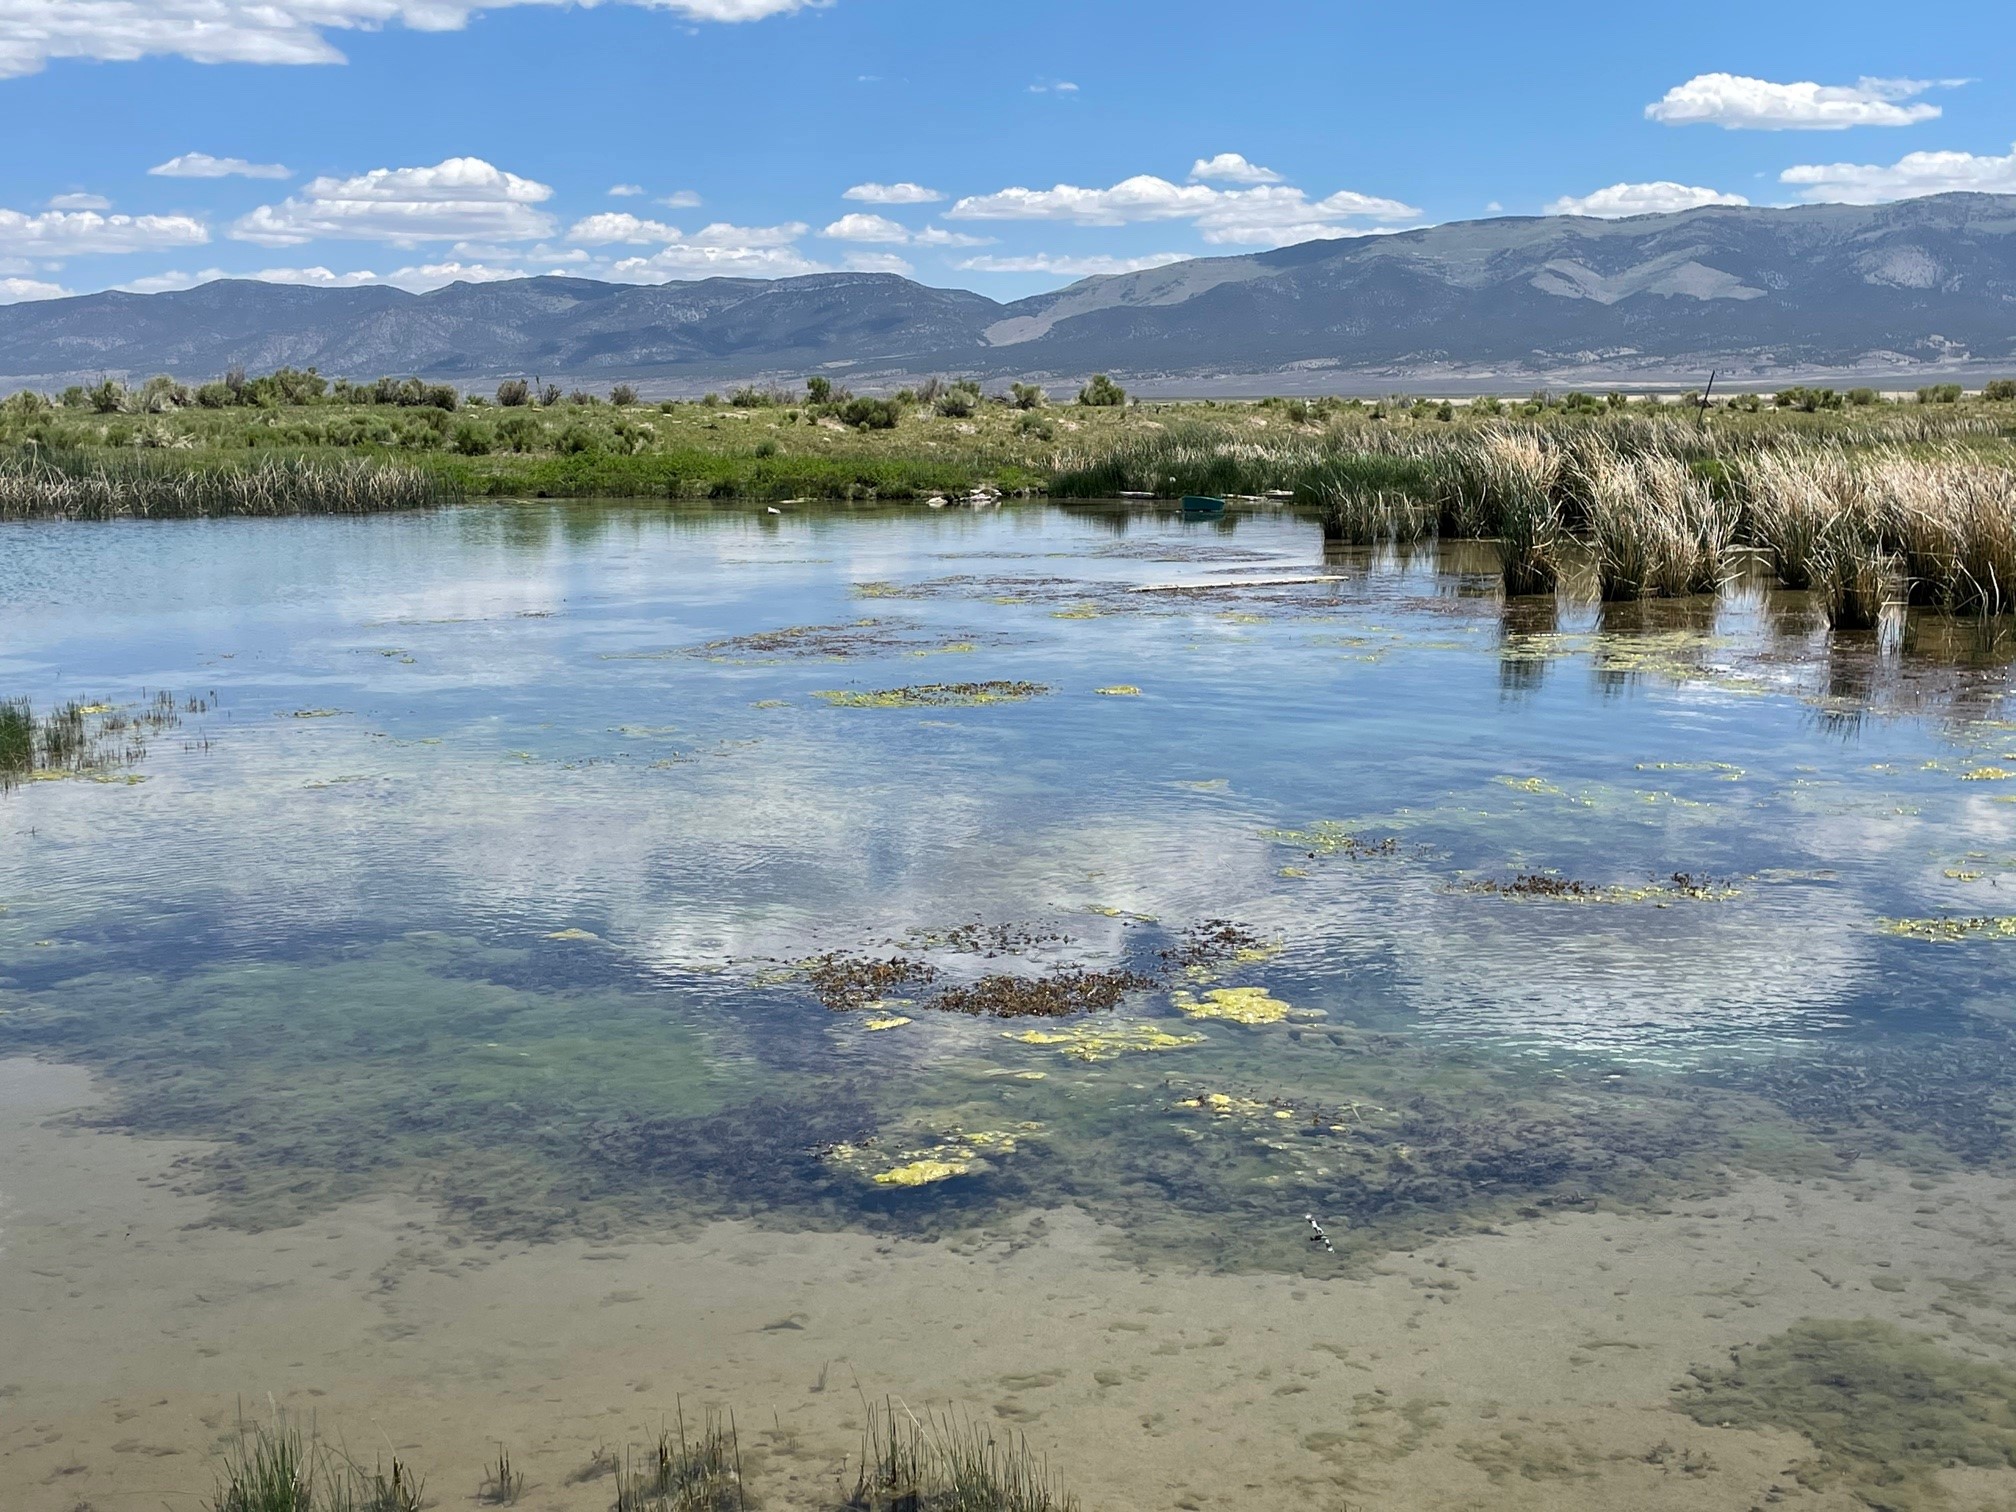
1056	994
1679	885
933	695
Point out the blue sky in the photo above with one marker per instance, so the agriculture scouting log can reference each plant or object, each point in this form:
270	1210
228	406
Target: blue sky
157	143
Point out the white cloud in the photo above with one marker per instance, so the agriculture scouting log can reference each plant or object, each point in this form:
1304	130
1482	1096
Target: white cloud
32	32
1071	267
1641	199
1914	174
1736	102
893	194
80	202
614	227
416	280
681	199
201	165
877	262
880	230
455	199
1268	214
625	191
1061	87
22	290
1232	168
686	260
82	233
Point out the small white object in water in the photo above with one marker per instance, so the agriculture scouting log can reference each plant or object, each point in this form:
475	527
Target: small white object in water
773	509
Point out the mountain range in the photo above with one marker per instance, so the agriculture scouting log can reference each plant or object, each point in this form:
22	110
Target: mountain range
1902	290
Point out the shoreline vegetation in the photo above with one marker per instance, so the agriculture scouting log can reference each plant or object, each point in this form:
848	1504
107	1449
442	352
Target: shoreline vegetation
907	1463
1869	502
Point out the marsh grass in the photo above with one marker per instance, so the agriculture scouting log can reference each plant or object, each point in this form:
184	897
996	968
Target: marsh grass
77	739
281	1466
697	1472
945	1464
37	484
503	1483
1516	473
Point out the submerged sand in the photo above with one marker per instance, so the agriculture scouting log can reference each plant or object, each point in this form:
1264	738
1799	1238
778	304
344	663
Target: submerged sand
1531	1367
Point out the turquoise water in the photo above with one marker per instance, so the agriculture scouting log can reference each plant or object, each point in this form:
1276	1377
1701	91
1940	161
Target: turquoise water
491	867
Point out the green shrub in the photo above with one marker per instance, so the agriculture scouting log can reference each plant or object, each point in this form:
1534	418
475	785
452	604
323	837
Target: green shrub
1862	397
818	390
623	396
2000	390
473	440
871	414
955	404
1940	393
1102	393
1028	396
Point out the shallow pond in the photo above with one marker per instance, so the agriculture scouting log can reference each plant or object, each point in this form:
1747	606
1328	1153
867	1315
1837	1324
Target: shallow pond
596	873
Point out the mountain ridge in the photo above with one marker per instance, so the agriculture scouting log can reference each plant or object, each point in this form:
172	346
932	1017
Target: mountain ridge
1915	287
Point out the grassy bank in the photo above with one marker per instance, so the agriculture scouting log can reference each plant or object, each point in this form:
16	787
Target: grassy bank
291	443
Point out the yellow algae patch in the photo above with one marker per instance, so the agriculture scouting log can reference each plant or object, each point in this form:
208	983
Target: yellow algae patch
1078	612
574	934
1119	690
1993	928
314	713
1238	1005
771	703
922	1173
1957	875
1988	774
1223	1105
957	1154
1294	871
1334	837
1090	1044
96	708
893	1021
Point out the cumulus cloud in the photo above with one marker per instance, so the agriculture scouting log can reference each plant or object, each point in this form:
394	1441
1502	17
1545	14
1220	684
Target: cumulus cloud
1231	168
1266	215
680	199
625	191
80	202
22	290
453	200
82	233
893	194
33	32
684	260
617	227
1659	198
877	262
880	230
200	165
1070	267
1913	175
1738	103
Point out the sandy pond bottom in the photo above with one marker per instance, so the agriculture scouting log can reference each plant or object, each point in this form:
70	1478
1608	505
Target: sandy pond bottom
1532	1367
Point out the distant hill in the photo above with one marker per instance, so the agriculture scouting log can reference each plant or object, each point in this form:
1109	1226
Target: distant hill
1908	289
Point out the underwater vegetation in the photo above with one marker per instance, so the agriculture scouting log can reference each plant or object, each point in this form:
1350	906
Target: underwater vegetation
1679	885
1884	1409
1055	994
